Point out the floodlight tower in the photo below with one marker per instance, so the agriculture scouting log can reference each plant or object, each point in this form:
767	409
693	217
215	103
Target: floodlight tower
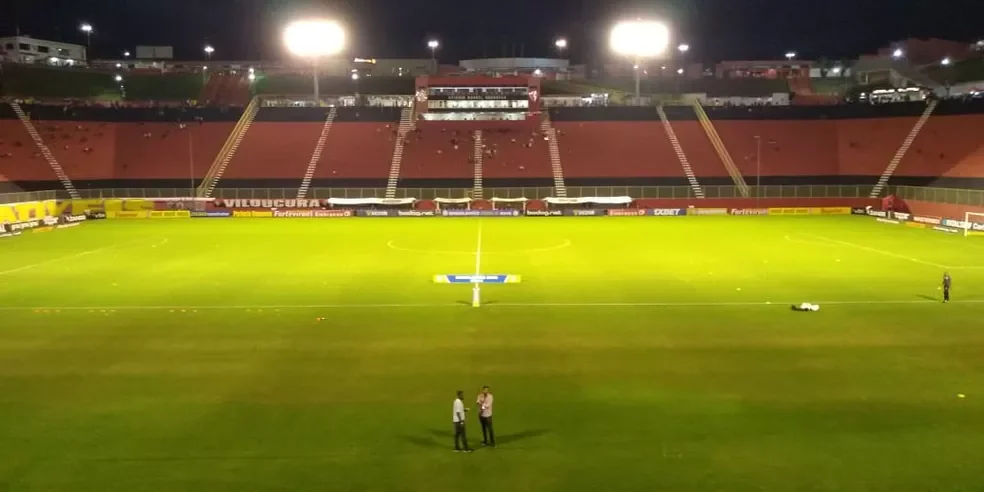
87	29
433	44
314	39
208	52
639	40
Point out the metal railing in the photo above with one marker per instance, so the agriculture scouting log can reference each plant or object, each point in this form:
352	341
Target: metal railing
950	196
668	192
31	196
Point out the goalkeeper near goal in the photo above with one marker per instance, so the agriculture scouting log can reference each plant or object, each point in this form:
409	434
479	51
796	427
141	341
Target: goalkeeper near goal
947	281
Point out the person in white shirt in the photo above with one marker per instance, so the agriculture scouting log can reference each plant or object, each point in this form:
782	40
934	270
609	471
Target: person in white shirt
458	418
484	403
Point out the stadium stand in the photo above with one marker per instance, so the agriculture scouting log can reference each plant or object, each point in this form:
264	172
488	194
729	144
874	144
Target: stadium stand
434	156
21	165
359	148
516	156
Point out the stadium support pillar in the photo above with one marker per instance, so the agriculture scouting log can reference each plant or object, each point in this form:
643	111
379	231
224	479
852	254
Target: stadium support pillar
317	91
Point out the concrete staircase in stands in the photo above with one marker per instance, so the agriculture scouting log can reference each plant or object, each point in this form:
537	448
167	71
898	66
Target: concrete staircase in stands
45	151
560	188
684	163
899	154
222	159
406	126
479	152
316	155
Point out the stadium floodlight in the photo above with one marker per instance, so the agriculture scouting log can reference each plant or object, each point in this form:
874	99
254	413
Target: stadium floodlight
637	40
87	29
118	78
946	61
683	48
898	53
126	54
836	70
433	44
790	55
313	39
119	65
560	44
679	71
355	75
208	51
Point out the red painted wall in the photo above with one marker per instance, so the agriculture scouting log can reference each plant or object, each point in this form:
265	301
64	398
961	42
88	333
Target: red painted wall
931	209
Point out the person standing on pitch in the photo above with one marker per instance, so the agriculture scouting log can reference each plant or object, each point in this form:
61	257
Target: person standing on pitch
946	287
458	417
484	402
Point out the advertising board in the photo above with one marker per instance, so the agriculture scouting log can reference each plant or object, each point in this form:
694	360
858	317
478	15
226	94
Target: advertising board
749	211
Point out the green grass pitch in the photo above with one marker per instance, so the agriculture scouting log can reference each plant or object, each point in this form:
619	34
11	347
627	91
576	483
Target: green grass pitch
649	354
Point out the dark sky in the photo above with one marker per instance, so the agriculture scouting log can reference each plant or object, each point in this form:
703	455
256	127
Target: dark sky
716	29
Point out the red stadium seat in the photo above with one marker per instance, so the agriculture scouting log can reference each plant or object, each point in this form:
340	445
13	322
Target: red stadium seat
616	149
274	150
788	148
948	146
20	159
357	150
516	154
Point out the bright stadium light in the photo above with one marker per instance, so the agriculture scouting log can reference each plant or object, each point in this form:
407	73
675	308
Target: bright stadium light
355	75
637	40
683	48
946	61
433	44
208	51
679	71
314	39
251	76
640	39
118	78
561	44
87	29
898	53
790	55
126	54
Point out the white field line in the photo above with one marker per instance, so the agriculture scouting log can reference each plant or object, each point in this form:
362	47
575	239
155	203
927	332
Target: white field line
71	257
492	305
880	252
56	260
478	251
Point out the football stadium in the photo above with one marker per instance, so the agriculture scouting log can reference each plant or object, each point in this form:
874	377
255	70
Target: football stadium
271	278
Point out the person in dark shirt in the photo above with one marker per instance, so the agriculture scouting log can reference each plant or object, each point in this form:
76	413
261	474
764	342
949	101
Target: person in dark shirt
946	287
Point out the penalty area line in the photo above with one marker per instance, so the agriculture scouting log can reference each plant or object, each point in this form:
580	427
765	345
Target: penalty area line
491	305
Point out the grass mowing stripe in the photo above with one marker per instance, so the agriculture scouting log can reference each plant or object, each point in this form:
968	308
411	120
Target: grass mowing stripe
494	304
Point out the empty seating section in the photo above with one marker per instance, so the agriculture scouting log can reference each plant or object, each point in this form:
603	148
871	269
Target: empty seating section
788	148
949	146
513	153
866	146
357	150
433	151
20	159
167	150
703	159
616	150
274	150
85	150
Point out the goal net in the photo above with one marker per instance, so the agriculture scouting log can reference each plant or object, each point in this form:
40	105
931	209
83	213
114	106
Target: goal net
973	224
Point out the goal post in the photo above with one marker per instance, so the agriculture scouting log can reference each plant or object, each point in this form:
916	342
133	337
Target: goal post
973	224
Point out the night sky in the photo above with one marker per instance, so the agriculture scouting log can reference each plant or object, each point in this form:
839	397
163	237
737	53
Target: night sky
716	29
